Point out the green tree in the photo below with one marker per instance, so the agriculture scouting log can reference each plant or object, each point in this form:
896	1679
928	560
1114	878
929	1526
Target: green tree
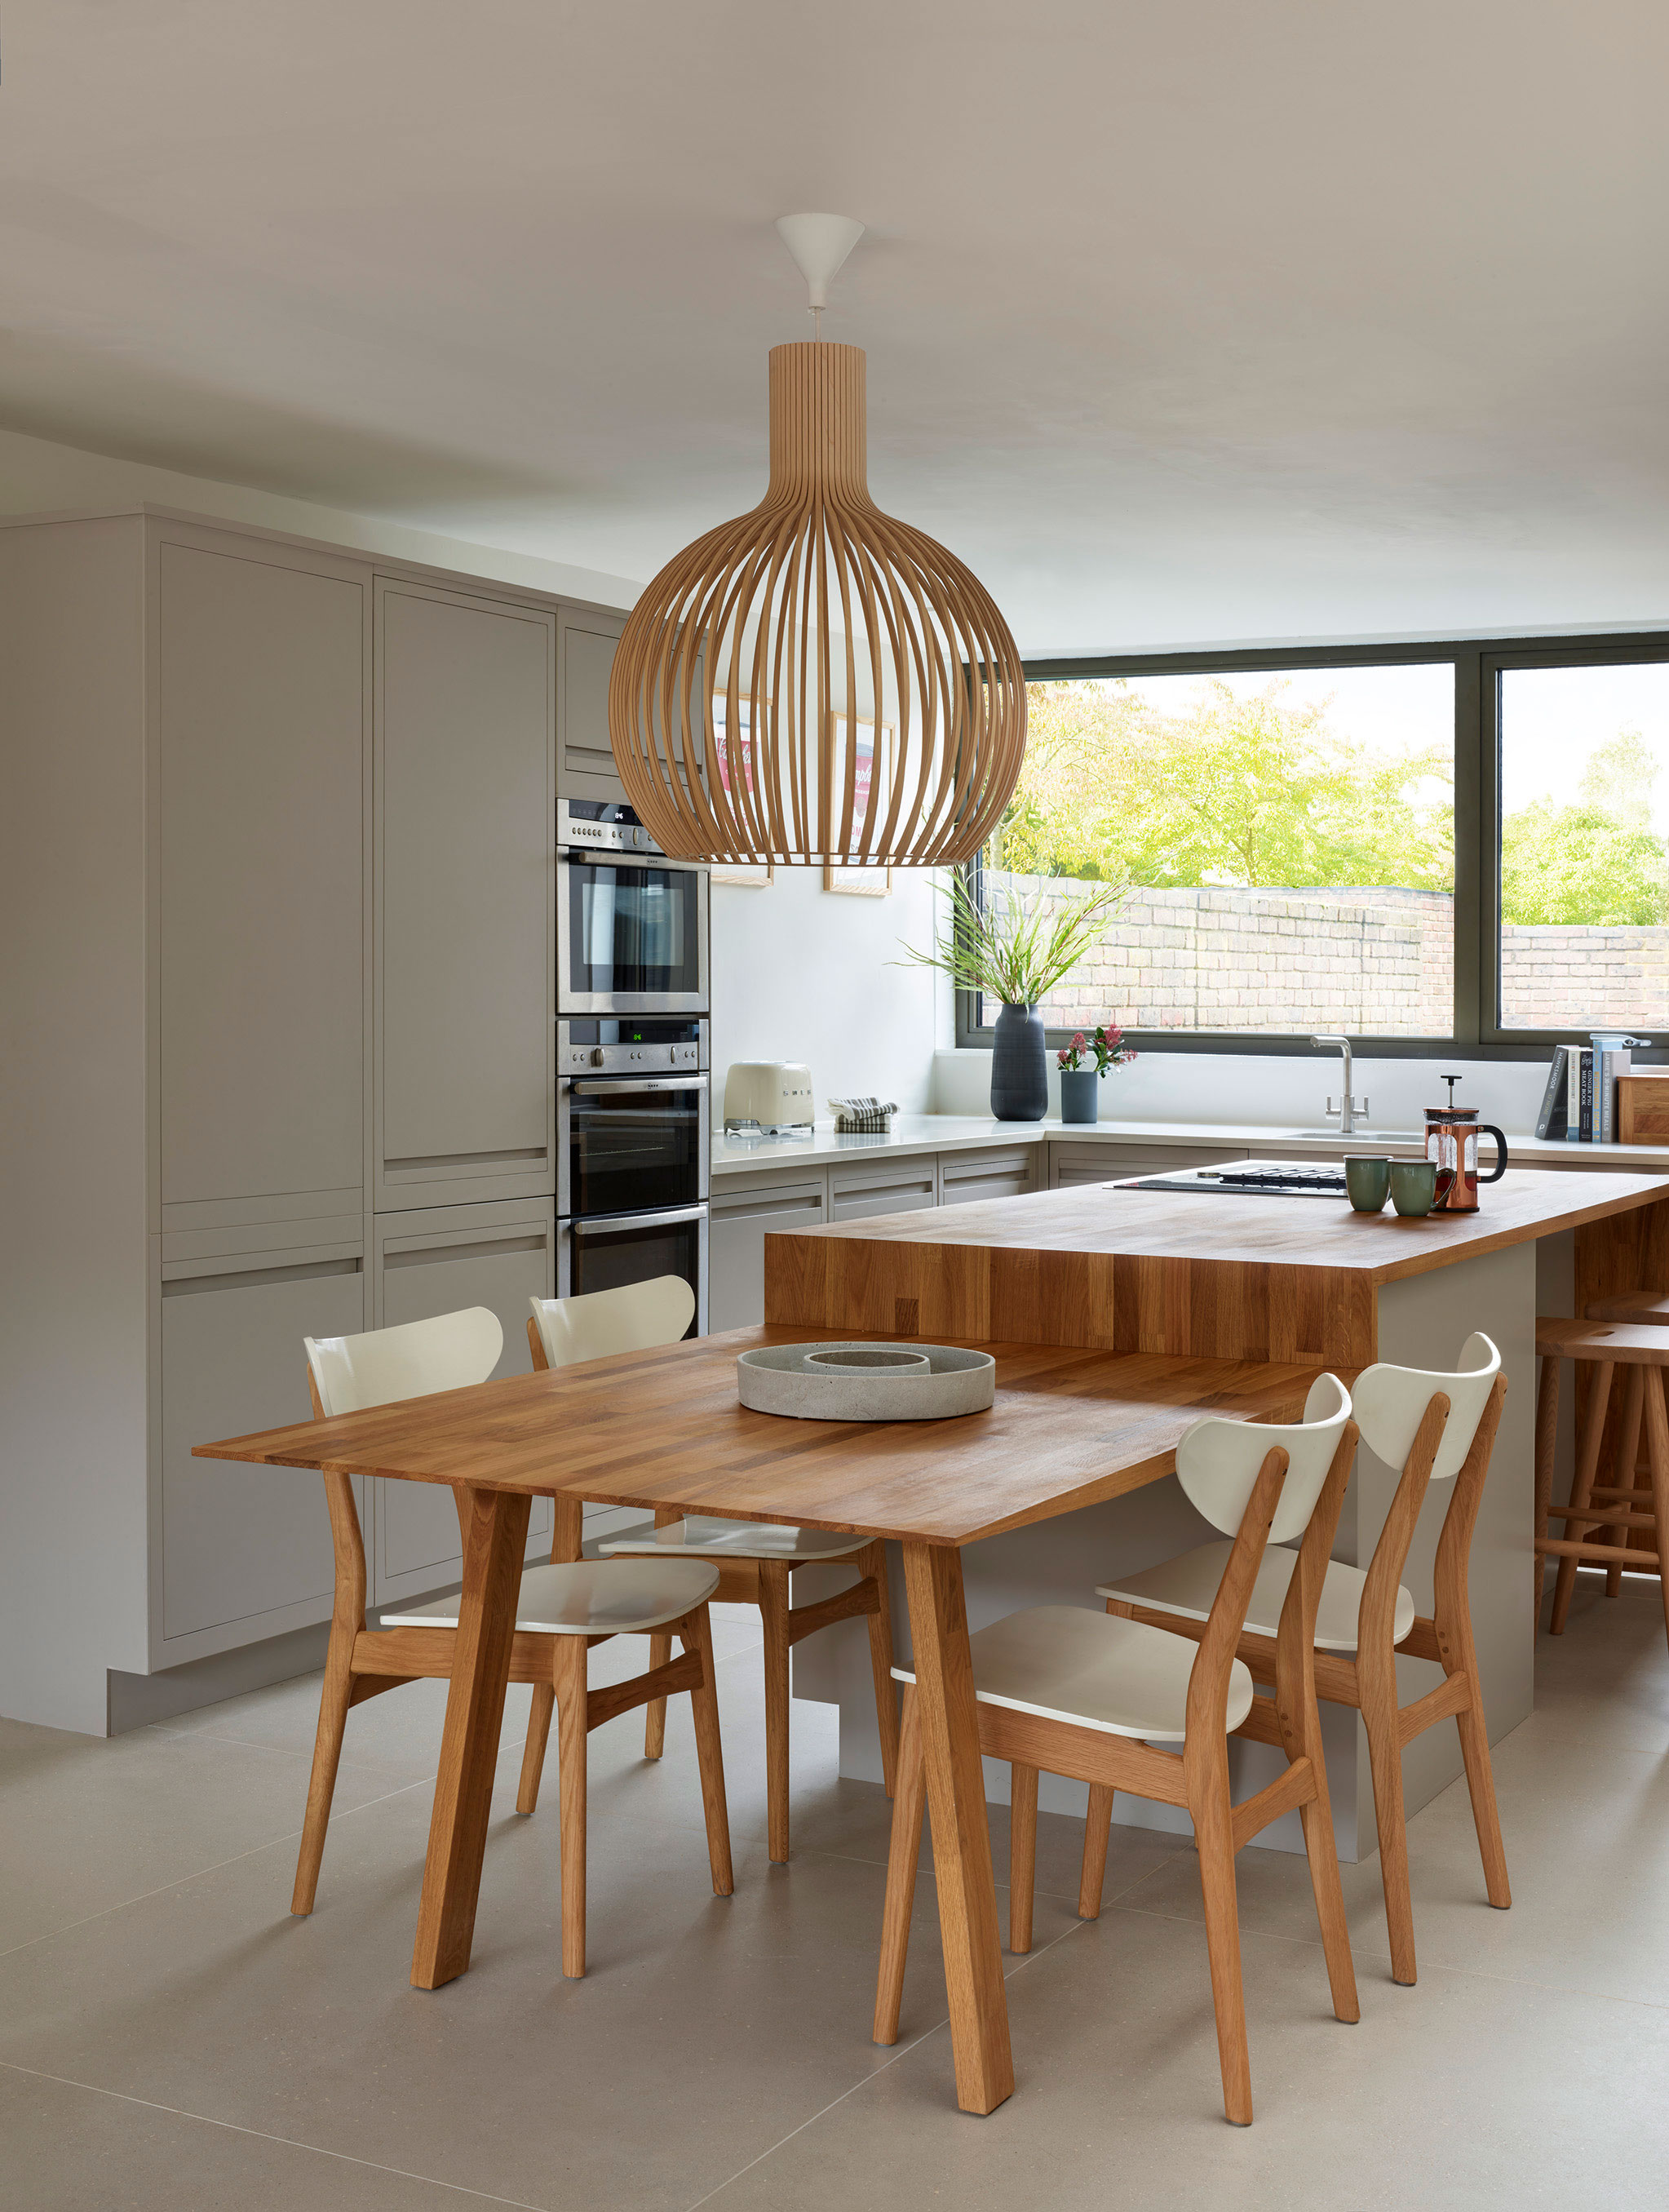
1234	790
1597	861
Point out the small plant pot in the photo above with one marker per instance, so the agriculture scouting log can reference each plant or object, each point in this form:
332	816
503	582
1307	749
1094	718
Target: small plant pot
1080	1094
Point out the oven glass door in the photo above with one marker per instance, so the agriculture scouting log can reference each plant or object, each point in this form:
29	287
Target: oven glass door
603	1255
625	1143
632	936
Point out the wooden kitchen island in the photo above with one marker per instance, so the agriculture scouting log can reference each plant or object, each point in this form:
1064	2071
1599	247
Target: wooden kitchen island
1296	1280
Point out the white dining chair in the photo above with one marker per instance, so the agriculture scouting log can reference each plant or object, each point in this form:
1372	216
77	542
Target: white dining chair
1436	1427
1066	1691
562	1609
755	1560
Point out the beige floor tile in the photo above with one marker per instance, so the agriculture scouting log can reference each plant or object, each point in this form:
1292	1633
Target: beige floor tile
90	1823
71	2149
1458	2097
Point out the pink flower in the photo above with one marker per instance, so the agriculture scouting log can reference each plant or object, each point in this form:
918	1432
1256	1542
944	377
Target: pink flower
1078	1042
1062	1057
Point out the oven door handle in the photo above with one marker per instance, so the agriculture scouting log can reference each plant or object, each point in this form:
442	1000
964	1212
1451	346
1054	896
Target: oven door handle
608	1089
611	1224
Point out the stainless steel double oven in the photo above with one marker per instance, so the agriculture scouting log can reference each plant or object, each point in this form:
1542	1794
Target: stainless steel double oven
633	1098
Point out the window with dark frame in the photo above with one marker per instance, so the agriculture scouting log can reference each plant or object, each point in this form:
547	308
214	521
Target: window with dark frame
1431	848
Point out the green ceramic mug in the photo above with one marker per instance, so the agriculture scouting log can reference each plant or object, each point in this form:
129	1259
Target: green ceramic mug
1413	1186
1366	1182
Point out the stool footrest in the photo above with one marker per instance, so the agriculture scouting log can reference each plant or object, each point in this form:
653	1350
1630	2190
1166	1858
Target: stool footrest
1599	1555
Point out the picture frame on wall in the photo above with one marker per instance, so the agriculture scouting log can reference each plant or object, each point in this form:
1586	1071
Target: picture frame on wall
735	752
872	783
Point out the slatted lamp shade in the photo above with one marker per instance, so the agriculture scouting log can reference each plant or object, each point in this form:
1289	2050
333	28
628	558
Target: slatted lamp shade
815	683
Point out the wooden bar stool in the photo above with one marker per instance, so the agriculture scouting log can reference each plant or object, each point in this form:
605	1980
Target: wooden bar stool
1435	1427
754	1560
1651	1308
1641	1346
1123	1706
561	1612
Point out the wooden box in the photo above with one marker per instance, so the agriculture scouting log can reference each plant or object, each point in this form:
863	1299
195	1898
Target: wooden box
1642	1108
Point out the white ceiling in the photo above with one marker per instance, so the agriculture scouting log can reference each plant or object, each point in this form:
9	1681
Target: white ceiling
1186	319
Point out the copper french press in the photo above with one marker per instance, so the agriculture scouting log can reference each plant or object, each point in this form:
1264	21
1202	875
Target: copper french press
1452	1134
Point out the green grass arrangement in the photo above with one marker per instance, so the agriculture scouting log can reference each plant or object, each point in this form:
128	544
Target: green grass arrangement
1013	949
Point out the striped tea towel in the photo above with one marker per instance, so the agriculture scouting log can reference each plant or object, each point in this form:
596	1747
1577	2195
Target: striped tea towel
851	1114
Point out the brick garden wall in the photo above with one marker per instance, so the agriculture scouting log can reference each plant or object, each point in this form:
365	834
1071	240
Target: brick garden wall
1372	962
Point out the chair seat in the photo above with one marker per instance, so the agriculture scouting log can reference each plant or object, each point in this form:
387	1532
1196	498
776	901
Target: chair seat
701	1535
589	1599
1066	1663
1187	1585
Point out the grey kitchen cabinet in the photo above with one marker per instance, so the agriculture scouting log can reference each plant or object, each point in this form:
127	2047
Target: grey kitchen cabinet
246	1550
263	656
967	1177
465	908
1071	1164
744	1210
435	1261
861	1193
278	905
586	646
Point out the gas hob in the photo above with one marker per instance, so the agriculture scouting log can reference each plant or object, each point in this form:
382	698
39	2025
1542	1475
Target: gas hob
1248	1179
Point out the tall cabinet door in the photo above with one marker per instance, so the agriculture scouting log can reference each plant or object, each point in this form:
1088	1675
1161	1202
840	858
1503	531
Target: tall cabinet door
585	661
438	1260
260	710
245	1552
465	761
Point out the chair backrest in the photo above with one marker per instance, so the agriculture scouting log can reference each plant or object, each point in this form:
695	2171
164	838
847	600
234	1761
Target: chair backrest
1391	1403
634	1318
1217	1461
411	1361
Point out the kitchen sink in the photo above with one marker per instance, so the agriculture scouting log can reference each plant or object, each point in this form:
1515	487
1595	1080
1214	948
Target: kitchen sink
1362	1136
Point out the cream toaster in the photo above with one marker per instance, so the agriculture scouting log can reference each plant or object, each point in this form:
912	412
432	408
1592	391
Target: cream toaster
771	1095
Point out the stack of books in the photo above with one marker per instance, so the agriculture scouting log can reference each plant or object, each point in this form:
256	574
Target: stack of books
1579	1101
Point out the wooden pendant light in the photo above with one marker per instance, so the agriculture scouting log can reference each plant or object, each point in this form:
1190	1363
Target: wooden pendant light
815	683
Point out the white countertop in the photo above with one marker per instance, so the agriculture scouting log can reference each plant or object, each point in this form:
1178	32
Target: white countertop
956	1132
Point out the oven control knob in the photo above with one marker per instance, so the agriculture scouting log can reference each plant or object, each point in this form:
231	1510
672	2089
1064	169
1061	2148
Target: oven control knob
598	1057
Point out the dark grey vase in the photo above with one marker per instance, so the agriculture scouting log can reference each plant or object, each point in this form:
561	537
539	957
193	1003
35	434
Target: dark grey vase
1019	1074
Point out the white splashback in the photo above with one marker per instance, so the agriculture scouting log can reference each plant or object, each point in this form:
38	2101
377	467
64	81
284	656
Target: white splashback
800	972
1279	1090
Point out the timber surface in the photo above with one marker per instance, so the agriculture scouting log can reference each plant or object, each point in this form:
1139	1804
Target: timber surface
1070	1428
1113	1268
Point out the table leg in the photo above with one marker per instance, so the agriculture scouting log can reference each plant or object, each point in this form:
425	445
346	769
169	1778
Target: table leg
961	1840
495	1538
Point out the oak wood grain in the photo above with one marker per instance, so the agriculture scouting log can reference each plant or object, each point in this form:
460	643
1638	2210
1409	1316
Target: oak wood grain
1070	1428
1111	1267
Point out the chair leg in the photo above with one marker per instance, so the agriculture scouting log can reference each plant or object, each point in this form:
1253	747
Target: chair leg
1480	1783
1097	1834
1657	1444
696	1631
1384	1764
1322	1852
1582	1490
1214	1832
334	1700
655	1713
1023	1854
1628	1459
533	1751
872	1563
909	1799
569	1668
774	1615
1547	1435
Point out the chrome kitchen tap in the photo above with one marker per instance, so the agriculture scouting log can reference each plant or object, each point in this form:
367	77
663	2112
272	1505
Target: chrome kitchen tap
1351	1107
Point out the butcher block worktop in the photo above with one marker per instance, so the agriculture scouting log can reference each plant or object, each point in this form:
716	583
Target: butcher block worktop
1224	1276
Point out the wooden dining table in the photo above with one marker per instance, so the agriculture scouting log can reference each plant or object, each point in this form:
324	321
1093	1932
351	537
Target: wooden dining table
1071	1428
